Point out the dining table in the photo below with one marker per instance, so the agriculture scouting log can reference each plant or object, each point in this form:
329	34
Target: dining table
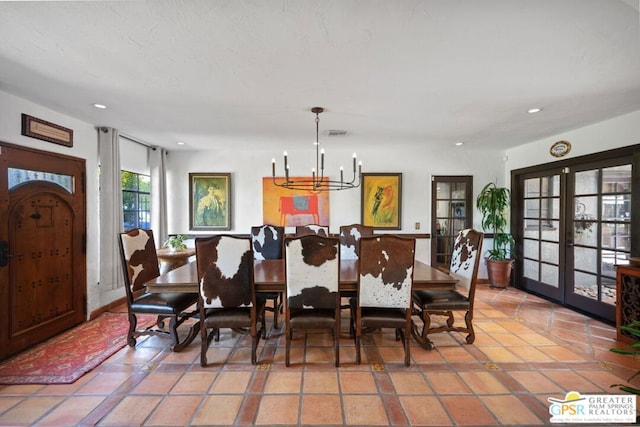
269	276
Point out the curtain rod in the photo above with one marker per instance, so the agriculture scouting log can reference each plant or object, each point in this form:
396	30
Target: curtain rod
137	141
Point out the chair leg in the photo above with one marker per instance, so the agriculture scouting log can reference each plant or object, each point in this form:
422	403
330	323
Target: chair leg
204	345
287	348
173	331
358	357
406	335
254	348
336	345
131	336
468	318
275	311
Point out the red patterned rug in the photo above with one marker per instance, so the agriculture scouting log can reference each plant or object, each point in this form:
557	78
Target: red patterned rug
66	357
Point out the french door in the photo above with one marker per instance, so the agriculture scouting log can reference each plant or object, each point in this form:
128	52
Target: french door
572	224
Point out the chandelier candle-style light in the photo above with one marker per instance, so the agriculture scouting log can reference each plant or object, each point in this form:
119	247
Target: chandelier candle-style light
318	181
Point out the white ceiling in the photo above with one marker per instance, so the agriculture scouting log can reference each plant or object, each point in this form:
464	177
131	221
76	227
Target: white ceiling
246	73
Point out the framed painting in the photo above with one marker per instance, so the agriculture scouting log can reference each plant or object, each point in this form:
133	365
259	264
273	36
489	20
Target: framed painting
289	208
381	205
210	201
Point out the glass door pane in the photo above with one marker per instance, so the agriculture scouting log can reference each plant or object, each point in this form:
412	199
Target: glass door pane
601	206
541	233
452	211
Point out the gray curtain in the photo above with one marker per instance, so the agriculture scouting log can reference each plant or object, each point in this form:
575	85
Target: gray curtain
157	164
111	218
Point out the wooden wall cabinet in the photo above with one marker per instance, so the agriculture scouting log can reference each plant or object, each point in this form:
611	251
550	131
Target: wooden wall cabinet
628	299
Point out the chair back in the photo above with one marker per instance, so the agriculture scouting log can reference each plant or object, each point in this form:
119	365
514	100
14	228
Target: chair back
312	270
350	239
385	271
225	271
267	241
320	230
139	259
465	258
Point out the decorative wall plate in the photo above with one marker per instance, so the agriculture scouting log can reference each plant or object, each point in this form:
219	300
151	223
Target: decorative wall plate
560	148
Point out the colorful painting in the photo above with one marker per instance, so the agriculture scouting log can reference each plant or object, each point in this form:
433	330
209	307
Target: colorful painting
210	201
289	208
382	200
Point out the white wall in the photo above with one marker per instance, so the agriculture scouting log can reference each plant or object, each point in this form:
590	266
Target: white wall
614	133
417	165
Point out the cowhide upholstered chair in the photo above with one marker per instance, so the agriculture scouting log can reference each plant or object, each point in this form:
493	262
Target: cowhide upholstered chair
140	264
268	243
312	297
350	239
320	230
227	297
384	289
465	260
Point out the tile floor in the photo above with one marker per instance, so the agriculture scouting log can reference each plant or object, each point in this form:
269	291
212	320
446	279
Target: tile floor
526	350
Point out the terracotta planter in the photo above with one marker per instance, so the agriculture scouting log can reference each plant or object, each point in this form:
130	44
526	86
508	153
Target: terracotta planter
499	272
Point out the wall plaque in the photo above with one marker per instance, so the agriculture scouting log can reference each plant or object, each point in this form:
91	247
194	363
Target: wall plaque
46	131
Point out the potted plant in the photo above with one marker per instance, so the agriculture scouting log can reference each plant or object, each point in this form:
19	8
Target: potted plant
494	202
176	243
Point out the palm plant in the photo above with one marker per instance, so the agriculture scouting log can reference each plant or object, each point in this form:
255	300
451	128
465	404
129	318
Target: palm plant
493	202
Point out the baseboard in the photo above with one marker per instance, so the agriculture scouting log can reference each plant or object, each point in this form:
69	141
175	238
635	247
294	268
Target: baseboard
108	307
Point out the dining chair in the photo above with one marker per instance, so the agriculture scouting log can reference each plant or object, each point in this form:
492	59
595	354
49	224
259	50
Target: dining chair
385	277
350	239
320	230
139	265
312	292
465	260
268	242
227	297
350	249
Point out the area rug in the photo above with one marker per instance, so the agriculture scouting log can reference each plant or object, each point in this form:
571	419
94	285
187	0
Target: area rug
66	357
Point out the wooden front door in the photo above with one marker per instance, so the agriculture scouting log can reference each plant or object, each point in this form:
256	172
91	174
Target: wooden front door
42	246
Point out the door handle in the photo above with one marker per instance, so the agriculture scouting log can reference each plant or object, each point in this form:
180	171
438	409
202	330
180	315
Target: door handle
4	253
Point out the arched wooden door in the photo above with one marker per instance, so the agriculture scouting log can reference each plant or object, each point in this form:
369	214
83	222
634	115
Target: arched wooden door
42	246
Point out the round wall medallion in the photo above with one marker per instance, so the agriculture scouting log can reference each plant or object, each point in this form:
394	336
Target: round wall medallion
560	148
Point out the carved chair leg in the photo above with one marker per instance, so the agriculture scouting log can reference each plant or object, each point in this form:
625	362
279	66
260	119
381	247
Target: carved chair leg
469	321
131	335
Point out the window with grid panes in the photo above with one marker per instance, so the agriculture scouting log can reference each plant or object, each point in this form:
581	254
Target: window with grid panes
136	200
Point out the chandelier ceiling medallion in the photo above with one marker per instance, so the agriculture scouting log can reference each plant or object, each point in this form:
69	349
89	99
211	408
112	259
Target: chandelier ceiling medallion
318	181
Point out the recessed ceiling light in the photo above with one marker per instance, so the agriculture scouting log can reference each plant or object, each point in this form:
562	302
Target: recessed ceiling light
101	106
180	143
459	143
534	110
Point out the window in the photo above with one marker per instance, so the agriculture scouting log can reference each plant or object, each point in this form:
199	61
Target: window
136	200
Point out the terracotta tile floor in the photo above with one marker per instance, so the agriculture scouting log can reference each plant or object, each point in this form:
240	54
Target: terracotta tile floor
526	350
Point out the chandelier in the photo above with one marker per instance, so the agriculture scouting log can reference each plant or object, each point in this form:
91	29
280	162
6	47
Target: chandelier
318	181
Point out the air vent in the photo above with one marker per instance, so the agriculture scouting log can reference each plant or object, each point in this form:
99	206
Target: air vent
337	132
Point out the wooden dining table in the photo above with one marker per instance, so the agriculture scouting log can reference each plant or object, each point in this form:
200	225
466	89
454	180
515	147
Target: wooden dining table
269	276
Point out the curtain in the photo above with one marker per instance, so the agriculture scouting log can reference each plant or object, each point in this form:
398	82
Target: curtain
111	217
158	167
